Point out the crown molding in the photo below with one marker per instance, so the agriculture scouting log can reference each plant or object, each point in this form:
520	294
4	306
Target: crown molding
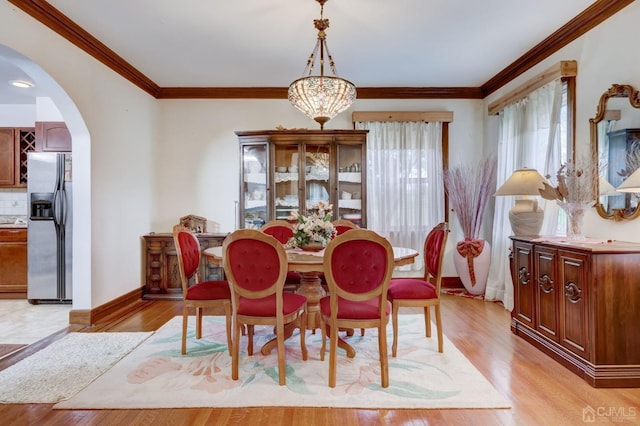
591	17
51	17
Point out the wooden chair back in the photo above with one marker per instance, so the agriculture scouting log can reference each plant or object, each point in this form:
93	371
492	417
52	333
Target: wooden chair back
434	247
281	230
344	225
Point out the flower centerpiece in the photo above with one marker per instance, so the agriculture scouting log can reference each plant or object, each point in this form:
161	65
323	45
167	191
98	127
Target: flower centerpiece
314	231
469	188
575	193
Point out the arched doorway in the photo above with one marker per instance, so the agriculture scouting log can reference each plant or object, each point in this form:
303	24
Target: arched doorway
48	87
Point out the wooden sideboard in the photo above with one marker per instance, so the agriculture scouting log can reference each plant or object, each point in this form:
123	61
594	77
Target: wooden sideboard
580	304
160	265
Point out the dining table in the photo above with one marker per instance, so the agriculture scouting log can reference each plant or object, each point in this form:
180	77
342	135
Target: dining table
310	265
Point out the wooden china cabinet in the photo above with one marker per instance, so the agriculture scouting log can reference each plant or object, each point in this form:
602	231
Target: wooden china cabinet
286	170
579	303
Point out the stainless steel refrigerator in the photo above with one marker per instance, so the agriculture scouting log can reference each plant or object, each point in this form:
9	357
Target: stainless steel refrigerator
50	226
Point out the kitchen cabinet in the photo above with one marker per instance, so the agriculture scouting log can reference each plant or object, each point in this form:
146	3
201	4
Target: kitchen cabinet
14	145
160	265
13	263
286	170
576	302
52	136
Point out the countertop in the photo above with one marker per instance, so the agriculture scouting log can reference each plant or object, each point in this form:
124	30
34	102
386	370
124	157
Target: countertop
13	221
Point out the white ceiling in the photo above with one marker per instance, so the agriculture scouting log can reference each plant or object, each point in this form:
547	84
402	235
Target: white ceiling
375	43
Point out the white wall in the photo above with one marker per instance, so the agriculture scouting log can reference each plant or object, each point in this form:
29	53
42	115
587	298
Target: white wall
603	60
113	128
198	154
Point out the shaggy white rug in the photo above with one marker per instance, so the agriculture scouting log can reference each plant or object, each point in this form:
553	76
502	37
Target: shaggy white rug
156	375
63	368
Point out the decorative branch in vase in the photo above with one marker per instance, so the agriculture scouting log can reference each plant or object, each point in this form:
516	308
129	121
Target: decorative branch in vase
469	188
574	193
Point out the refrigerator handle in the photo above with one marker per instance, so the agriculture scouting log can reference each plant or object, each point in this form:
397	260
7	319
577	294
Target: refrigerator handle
63	212
58	196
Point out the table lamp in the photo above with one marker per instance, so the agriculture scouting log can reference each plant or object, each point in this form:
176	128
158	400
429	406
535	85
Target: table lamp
631	184
525	216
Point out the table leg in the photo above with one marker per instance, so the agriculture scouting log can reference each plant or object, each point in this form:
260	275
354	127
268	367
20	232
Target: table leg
288	332
311	288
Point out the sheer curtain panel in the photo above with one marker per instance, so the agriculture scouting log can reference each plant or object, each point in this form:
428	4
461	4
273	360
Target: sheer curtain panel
531	134
405	193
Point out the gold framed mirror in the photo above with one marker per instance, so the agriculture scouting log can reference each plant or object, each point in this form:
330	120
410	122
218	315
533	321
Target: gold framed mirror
615	147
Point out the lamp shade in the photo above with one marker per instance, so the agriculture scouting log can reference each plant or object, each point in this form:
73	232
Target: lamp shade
605	189
322	97
631	184
523	181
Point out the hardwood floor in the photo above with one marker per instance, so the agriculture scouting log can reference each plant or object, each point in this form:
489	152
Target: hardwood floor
541	391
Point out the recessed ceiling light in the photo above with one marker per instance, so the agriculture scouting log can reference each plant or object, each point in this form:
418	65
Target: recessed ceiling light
23	84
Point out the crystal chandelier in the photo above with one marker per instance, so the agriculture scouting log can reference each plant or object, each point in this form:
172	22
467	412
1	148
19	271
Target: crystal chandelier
321	97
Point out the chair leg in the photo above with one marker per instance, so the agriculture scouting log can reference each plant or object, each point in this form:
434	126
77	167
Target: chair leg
185	319
227	314
427	321
439	327
250	329
384	359
333	354
235	352
282	368
323	348
198	323
394	317
302	323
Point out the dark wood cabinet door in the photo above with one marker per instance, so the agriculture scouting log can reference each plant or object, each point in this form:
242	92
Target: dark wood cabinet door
574	307
523	281
13	263
546	292
7	158
52	136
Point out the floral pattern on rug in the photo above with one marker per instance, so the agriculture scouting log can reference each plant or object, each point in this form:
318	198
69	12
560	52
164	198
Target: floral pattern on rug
208	368
157	375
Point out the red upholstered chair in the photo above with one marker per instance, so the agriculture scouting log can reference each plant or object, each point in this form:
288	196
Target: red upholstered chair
201	294
282	231
256	266
358	266
422	292
343	225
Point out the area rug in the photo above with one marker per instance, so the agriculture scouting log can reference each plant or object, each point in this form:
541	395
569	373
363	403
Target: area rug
65	367
155	375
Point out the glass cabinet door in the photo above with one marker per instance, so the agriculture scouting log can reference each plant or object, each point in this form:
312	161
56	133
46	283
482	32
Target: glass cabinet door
286	180
254	184
316	175
350	183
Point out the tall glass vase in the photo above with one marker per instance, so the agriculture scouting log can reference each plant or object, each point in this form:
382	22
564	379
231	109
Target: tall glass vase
575	218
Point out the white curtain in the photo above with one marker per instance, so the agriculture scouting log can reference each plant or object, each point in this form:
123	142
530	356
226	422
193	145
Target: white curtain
530	134
405	193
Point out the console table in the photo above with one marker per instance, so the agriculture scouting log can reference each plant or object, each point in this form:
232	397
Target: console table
579	302
160	265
